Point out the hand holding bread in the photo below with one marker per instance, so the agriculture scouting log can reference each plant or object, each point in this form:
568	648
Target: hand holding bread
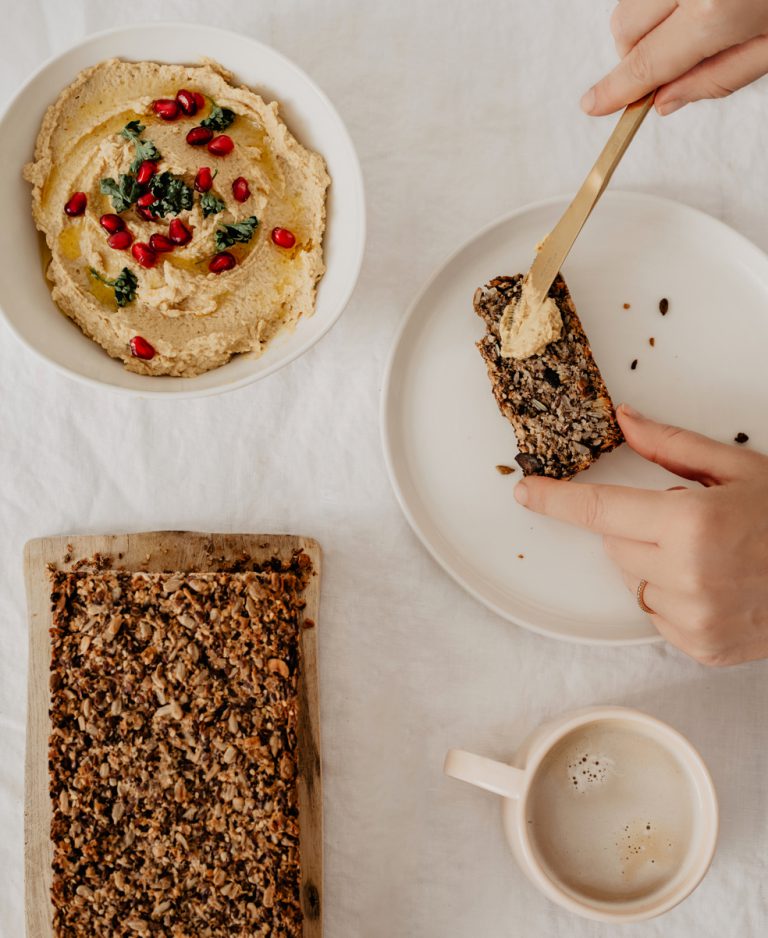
703	551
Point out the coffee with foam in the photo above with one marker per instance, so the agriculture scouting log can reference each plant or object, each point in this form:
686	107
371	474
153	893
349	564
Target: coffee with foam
611	813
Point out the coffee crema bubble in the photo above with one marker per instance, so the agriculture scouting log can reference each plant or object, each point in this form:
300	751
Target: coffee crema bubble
587	770
611	813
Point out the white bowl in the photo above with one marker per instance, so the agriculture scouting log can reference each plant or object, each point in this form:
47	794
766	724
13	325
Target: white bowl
25	299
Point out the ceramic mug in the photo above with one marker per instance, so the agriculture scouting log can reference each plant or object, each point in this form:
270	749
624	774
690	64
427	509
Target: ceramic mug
520	785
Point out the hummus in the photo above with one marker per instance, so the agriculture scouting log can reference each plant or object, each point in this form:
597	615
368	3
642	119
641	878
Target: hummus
184	309
527	327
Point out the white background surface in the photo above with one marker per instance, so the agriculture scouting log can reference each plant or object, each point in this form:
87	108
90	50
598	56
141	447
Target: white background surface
460	111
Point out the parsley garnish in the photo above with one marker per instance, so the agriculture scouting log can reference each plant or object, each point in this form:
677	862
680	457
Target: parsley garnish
172	194
132	130
241	232
145	149
124	285
219	119
210	204
123	193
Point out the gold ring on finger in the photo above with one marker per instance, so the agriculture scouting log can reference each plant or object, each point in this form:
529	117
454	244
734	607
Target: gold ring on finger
641	598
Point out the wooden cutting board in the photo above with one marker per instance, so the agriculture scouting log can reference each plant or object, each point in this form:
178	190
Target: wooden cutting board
157	552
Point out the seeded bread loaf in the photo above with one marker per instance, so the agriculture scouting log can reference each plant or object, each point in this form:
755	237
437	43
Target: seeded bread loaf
173	754
556	401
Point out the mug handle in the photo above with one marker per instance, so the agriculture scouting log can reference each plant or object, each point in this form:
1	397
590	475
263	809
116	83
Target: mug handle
501	779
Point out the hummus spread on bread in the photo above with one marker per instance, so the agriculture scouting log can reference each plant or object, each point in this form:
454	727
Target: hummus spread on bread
527	327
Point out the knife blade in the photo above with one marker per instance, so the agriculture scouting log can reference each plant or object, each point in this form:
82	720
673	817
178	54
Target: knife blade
558	243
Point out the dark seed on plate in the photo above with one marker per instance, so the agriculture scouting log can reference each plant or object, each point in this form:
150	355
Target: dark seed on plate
664	306
521	556
741	438
651	341
530	464
504	470
627	305
634	364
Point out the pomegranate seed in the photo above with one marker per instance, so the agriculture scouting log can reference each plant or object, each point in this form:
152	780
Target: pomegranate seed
111	223
240	189
198	136
120	240
145	214
199	100
203	179
221	262
221	145
146	171
166	108
283	238
144	254
160	243
187	102
76	204
178	232
140	348
144	201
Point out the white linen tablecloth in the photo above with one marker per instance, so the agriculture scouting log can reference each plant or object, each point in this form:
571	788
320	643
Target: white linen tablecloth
460	111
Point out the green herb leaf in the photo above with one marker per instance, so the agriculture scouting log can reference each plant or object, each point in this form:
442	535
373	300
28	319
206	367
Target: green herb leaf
210	204
241	232
172	194
124	285
123	193
132	130
219	119
145	149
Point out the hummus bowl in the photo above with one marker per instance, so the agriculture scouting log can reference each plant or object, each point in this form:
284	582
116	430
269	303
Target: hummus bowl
25	297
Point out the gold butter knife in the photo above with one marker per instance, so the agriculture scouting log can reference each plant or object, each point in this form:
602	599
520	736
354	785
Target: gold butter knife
558	243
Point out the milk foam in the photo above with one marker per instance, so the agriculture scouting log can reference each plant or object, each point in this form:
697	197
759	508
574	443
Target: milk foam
611	812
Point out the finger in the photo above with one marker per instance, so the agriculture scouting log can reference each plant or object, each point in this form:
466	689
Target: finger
669	617
653	595
683	452
697	647
606	509
667	604
638	558
672	634
664	54
632	19
716	77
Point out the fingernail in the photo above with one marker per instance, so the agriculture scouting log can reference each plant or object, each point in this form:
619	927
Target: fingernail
521	493
588	101
630	411
669	107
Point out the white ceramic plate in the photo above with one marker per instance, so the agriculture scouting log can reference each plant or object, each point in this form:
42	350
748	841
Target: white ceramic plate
24	296
443	434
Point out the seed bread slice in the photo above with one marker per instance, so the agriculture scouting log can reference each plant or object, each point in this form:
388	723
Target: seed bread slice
556	401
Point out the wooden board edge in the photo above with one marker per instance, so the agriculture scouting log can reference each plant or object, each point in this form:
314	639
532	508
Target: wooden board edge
38	850
40	552
134	550
310	781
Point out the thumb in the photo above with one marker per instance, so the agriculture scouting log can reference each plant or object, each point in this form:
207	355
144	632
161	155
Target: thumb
717	76
683	452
